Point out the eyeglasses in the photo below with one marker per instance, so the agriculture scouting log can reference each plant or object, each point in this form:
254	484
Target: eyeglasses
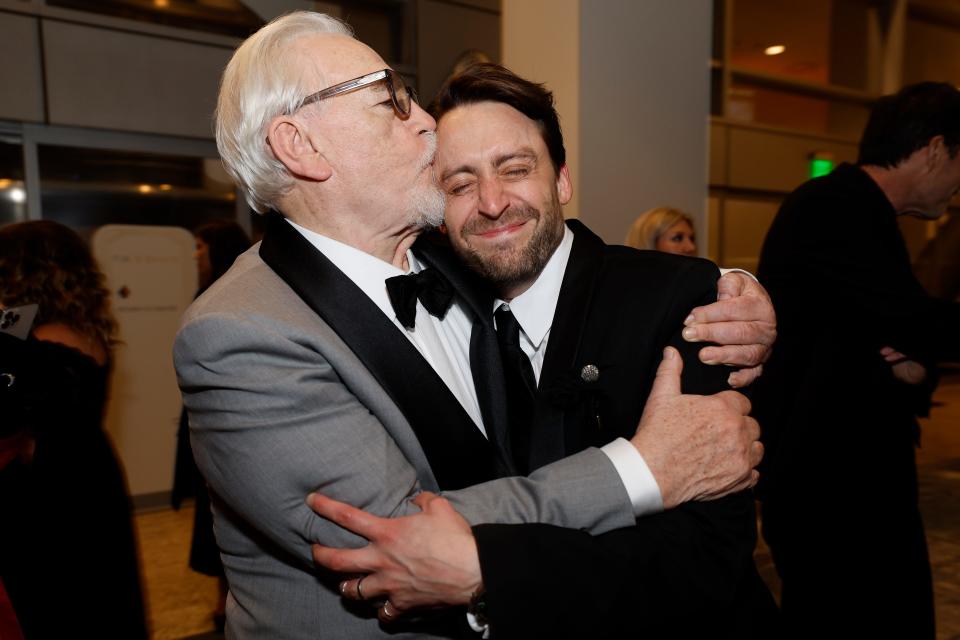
400	94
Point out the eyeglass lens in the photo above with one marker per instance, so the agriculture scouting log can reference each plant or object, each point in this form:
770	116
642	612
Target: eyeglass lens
400	94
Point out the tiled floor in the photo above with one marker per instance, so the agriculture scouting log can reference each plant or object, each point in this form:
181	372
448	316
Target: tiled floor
180	601
939	466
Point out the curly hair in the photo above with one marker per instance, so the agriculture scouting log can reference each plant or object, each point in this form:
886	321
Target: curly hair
49	264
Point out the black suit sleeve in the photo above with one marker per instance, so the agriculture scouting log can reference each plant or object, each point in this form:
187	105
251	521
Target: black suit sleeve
682	571
854	267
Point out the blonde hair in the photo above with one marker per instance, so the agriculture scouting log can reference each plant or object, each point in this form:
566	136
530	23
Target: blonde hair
650	225
261	82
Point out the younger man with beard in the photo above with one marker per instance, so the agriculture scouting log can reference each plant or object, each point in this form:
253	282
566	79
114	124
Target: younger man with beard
299	374
593	322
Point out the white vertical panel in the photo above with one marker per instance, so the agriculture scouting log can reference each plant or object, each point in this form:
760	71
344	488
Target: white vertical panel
152	279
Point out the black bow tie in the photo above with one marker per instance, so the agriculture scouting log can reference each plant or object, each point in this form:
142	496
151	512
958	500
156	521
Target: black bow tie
433	290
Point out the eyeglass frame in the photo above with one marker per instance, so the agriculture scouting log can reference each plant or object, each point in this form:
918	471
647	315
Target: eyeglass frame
364	81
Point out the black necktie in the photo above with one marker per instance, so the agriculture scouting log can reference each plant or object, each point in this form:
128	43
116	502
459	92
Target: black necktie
429	286
521	386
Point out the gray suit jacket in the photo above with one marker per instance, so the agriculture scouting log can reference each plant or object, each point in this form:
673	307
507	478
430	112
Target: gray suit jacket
280	406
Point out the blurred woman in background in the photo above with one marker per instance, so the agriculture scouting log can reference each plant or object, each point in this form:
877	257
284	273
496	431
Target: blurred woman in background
68	555
663	229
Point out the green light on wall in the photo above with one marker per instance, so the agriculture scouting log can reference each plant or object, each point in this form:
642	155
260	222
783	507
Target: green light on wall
821	164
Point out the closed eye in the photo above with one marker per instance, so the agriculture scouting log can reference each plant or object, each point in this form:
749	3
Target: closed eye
460	189
516	172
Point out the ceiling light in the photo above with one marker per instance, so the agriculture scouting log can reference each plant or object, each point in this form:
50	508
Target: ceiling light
144	188
17	195
775	50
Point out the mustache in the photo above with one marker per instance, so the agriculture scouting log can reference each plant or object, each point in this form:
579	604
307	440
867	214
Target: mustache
427	159
513	215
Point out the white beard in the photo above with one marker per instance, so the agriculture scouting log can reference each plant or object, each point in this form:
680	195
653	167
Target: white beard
425	209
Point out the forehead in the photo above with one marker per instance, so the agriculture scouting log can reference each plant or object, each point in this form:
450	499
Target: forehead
485	130
331	58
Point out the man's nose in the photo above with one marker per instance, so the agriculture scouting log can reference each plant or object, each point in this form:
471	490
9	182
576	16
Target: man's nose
422	120
493	201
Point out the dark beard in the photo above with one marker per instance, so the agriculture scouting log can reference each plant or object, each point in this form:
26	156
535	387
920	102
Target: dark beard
507	267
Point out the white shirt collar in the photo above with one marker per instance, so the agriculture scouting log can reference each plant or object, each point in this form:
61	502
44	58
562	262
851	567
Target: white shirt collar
368	272
534	308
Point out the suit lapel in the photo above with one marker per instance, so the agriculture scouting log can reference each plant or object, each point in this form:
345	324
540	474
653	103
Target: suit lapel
560	376
458	453
485	362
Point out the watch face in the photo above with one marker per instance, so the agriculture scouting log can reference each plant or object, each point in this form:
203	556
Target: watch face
17	321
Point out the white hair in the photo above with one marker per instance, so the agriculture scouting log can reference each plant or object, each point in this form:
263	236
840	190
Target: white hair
261	82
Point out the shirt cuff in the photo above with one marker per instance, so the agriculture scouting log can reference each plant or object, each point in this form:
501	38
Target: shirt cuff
476	626
636	476
724	272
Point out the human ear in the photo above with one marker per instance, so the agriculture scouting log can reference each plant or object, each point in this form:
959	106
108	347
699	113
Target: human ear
297	150
564	185
936	151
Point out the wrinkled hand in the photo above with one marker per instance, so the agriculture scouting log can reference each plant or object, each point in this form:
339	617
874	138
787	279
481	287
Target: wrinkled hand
903	368
423	560
742	321
697	447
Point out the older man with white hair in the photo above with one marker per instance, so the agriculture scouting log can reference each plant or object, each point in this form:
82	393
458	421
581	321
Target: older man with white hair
332	357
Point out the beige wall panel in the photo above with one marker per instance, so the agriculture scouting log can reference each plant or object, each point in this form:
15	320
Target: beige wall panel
745	224
772	161
445	32
130	82
933	53
541	42
712	230
21	88
718	154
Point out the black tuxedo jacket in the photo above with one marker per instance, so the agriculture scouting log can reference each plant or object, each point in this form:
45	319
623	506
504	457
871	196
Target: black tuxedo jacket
458	453
681	573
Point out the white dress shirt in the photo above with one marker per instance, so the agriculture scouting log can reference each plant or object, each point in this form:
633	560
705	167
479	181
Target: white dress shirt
445	344
534	310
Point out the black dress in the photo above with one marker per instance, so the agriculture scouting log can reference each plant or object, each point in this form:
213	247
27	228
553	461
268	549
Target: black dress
68	556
